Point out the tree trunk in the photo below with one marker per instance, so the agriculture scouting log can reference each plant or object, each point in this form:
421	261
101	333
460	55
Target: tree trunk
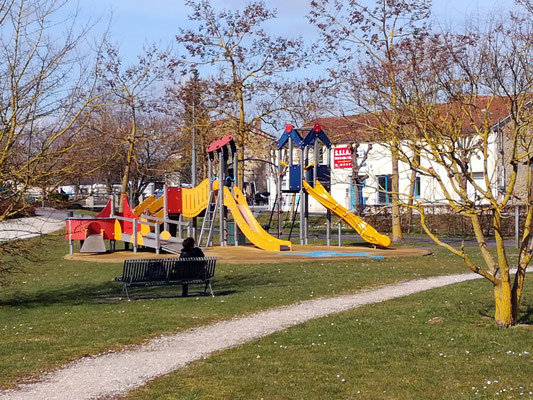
396	219
410	200
125	179
516	293
240	168
129	158
358	206
503	315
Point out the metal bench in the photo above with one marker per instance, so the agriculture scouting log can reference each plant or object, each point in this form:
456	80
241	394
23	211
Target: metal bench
168	271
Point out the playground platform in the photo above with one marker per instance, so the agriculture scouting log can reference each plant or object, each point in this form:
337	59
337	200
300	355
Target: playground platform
248	254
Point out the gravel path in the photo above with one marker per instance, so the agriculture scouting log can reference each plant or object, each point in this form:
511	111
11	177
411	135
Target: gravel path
23	228
117	373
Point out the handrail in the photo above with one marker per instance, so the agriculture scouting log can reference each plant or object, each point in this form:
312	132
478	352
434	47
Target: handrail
165	220
132	220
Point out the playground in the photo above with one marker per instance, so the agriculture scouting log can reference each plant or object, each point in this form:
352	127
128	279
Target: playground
162	223
252	255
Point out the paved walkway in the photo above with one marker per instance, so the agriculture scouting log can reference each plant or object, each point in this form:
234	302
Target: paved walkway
117	373
46	221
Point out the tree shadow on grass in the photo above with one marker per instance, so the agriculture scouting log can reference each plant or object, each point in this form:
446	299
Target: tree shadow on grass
78	293
526	316
103	293
71	295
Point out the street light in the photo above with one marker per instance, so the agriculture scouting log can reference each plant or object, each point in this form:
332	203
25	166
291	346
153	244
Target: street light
193	156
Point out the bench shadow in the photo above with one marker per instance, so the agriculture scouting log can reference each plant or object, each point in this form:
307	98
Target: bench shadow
104	292
136	297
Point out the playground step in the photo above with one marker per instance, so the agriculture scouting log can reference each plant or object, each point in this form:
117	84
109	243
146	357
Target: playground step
151	235
173	248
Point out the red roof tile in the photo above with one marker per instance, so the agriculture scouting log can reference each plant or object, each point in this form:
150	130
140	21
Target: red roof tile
468	114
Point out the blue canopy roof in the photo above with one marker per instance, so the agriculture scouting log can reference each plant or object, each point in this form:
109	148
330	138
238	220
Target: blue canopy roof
316	133
290	133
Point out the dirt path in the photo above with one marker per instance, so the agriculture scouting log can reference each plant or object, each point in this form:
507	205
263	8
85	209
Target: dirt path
117	373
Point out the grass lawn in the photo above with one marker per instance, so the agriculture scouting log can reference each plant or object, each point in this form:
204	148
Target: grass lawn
439	344
59	310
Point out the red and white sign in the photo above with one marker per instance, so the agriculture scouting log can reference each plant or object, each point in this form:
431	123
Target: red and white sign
342	157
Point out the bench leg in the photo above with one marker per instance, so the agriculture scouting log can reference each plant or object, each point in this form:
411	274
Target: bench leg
125	290
210	289
185	290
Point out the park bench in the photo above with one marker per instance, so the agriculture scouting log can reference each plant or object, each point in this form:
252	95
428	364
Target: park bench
168	271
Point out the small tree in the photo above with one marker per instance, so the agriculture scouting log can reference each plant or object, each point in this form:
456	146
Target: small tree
357	163
188	105
47	92
476	147
132	95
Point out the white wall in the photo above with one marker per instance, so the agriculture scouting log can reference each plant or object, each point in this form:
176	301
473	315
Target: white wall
379	163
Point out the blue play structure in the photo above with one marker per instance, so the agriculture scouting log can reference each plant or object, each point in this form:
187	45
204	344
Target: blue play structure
311	172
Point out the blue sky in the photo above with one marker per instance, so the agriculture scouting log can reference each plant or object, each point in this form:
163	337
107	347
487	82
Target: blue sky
136	22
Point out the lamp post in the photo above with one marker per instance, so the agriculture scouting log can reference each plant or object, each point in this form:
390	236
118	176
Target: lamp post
193	155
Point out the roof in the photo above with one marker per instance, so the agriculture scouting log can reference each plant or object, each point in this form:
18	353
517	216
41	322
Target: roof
347	128
365	127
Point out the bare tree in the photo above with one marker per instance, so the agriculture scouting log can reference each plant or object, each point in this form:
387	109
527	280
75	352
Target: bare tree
132	88
249	61
352	29
476	146
189	106
48	87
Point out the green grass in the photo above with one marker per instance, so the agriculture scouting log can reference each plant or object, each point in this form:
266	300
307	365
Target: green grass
59	310
381	351
82	212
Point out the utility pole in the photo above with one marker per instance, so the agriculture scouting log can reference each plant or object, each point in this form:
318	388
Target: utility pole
195	99
193	155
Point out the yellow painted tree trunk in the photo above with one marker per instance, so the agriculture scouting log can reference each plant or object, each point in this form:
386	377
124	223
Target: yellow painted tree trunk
397	235
503	315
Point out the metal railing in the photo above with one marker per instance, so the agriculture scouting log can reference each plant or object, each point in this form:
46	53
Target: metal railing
135	223
179	224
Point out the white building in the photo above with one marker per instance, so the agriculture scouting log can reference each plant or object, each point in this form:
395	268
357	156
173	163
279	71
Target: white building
375	194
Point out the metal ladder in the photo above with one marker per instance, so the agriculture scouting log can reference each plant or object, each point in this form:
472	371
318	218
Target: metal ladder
209	221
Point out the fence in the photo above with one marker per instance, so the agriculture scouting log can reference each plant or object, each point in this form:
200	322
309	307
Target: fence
443	221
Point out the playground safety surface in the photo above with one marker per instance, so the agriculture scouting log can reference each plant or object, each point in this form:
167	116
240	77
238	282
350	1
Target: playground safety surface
248	254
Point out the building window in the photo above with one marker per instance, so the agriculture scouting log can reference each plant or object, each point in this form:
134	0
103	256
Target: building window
416	191
360	188
384	189
479	180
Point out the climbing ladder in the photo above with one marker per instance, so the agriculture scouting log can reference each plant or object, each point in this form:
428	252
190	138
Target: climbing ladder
208	224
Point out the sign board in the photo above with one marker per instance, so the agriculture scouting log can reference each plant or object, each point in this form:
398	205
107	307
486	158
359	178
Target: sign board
342	157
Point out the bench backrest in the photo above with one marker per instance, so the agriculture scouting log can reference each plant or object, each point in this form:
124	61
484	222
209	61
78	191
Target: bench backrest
169	269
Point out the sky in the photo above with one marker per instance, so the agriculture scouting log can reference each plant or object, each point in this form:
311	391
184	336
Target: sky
137	22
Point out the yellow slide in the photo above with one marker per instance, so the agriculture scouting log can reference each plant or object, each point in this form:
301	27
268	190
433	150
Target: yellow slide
247	223
141	208
366	231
